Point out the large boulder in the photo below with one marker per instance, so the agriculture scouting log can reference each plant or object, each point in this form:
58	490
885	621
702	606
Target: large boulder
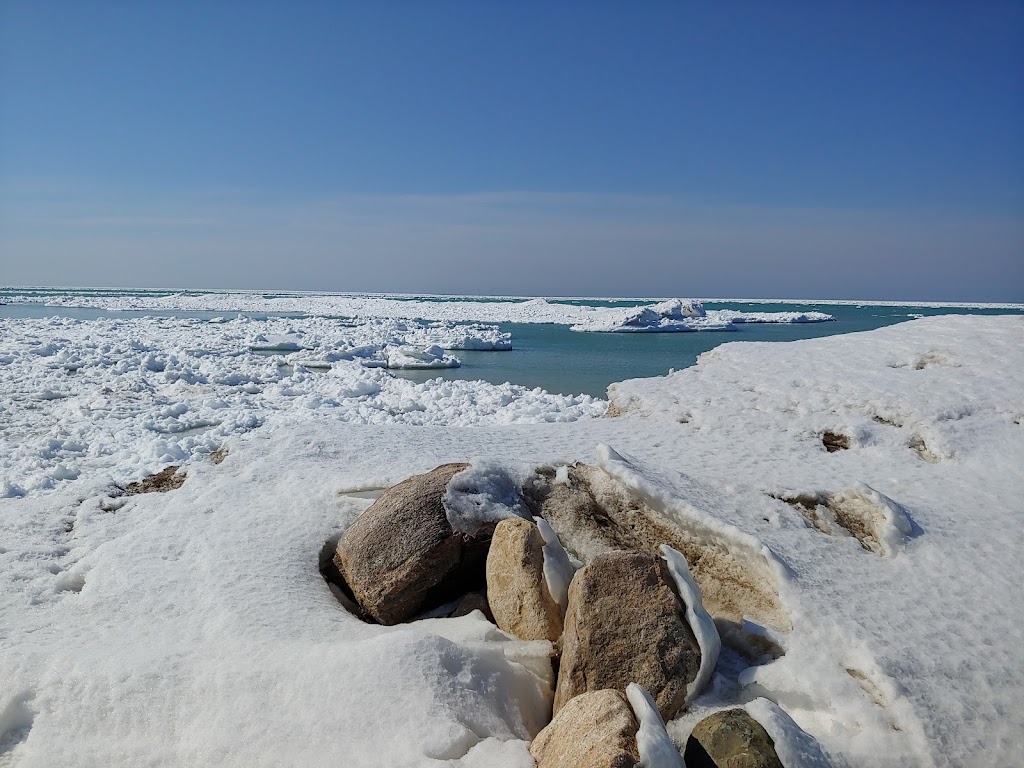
517	591
594	730
730	738
625	623
401	548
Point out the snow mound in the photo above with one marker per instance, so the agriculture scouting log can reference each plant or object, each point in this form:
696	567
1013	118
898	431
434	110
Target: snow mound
483	494
652	740
700	621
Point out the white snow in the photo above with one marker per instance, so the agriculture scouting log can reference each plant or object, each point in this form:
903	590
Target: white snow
192	627
665	316
132	395
795	748
485	492
675	315
558	566
654	744
700	622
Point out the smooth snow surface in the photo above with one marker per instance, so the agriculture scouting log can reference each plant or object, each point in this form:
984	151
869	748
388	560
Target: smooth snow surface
700	622
192	627
655	746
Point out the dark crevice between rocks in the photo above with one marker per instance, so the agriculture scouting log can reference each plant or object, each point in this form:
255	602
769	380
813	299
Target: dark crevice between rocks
696	756
835	441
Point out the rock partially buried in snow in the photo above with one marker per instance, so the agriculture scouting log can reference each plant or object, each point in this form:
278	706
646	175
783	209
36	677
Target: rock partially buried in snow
730	738
516	588
474	601
595	730
625	623
401	547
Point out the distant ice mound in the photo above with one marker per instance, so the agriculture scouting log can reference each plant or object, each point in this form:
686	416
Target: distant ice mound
667	317
675	315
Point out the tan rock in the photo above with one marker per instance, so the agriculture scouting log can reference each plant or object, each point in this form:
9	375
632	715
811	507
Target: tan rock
626	624
592	513
516	589
401	547
730	738
595	730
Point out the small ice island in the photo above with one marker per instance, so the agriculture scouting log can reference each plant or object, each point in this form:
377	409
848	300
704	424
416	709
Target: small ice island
678	315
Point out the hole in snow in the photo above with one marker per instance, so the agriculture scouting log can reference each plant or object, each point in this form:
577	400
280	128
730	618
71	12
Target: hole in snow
835	441
749	640
16	719
167	479
889	422
876	521
918	445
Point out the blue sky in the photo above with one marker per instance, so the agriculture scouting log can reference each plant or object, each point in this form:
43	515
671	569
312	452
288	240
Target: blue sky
814	149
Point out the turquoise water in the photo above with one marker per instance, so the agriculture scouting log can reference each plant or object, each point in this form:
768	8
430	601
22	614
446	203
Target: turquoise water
556	359
560	360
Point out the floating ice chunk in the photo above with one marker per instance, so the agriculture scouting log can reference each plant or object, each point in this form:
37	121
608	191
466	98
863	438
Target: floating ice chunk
652	740
285	342
410	357
700	621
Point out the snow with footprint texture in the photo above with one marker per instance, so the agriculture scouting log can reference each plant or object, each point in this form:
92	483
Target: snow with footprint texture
192	627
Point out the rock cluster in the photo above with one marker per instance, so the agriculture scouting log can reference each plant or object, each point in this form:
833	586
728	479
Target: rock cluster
624	623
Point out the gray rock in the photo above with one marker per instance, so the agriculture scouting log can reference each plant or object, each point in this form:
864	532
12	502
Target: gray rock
401	548
730	738
624	624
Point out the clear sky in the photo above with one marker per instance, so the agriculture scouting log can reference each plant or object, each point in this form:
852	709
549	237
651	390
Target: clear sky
764	149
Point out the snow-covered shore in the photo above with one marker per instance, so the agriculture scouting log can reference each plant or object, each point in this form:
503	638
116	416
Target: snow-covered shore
193	627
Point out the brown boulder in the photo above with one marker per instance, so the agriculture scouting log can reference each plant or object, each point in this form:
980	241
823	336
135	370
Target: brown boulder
474	601
625	623
516	588
595	730
730	738
401	547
